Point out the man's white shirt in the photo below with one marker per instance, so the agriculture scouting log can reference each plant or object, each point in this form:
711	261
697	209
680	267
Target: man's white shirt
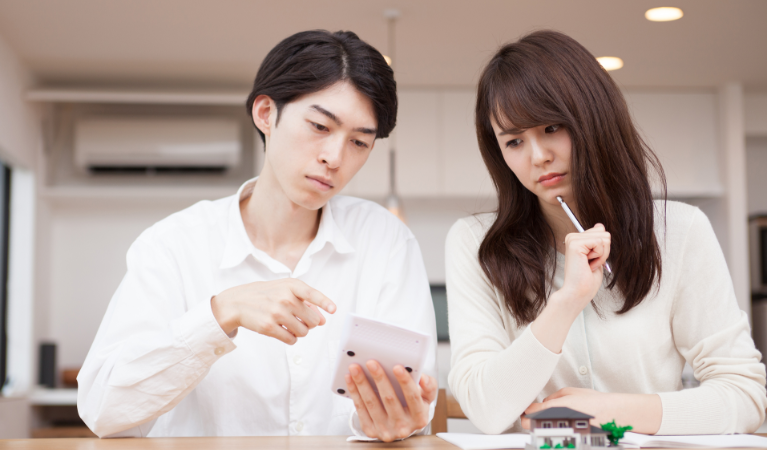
162	366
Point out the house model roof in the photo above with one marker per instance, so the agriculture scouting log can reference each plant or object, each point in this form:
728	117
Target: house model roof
558	413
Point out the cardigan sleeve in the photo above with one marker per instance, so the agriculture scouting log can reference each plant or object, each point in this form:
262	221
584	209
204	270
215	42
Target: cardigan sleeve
493	377
713	335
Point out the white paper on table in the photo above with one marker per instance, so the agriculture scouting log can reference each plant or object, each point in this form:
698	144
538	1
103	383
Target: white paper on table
635	440
468	441
361	439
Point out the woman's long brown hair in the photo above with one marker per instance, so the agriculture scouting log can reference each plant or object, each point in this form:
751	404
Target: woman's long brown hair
548	78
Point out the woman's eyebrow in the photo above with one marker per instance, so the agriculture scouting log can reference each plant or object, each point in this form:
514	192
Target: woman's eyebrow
513	131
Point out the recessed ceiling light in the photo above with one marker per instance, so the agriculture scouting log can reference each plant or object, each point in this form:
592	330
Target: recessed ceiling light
388	60
663	14
610	62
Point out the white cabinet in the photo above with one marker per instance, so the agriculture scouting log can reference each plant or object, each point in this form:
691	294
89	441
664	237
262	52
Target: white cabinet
418	158
437	153
681	128
436	149
373	180
465	173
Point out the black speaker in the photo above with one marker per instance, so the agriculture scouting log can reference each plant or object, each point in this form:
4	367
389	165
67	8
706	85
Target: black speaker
47	370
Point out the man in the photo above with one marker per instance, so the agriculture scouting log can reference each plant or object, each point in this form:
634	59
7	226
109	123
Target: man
216	328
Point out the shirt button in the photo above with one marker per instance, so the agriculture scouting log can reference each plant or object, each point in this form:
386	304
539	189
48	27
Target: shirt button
299	427
297	360
219	350
583	370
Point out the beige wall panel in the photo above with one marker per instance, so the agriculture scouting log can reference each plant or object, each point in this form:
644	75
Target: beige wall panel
418	153
465	173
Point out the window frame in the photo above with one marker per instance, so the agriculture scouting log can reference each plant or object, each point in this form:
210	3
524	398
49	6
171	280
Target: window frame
5	216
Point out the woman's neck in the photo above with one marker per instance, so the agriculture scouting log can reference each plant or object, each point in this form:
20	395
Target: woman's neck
275	224
559	222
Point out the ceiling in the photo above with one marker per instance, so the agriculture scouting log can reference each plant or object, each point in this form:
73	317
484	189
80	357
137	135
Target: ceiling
199	43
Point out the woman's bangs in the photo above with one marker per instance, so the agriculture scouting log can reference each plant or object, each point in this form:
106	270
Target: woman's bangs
517	105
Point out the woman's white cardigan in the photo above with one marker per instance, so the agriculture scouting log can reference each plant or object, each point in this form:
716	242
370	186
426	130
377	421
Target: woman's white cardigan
498	368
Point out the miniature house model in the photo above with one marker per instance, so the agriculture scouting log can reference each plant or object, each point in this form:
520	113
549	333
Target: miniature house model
564	428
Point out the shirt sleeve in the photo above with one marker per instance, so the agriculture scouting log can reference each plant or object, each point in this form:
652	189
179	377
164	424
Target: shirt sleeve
493	378
405	300
150	350
713	335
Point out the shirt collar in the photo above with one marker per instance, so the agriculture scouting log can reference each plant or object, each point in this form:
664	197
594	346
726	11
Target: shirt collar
238	245
329	231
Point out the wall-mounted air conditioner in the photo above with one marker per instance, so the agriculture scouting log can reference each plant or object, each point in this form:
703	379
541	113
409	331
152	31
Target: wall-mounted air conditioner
164	144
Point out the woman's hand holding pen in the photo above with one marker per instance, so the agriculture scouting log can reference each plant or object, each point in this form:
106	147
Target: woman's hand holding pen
283	309
585	255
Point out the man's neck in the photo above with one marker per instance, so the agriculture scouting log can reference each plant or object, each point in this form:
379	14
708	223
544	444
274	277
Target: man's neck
275	224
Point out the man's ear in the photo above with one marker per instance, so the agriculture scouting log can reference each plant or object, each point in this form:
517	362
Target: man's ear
264	113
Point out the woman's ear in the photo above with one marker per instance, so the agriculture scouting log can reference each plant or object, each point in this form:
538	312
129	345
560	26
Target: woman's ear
264	113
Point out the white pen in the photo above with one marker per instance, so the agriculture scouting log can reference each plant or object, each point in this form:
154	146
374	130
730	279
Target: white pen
577	224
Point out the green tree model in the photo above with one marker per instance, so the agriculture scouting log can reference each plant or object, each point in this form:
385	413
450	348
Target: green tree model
615	432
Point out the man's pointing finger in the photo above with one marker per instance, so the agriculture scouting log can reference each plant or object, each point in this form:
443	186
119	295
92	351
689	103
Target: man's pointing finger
313	296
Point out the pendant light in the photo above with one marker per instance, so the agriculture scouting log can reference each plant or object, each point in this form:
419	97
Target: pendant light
393	201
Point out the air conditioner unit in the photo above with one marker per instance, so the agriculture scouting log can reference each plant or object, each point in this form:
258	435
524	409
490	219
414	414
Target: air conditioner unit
178	144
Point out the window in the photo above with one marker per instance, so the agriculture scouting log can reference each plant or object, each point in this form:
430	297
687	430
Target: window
581	424
547	424
439	296
563	424
5	197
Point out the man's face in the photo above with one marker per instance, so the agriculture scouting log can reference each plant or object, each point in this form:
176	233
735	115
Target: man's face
320	143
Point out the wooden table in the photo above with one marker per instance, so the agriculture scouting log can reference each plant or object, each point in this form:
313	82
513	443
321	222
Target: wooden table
230	443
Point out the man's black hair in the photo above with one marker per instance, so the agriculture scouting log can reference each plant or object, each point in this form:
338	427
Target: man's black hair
311	61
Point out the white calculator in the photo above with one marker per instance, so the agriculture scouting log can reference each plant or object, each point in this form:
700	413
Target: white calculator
363	339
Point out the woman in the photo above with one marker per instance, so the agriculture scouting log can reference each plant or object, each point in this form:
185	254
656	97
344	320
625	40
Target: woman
535	321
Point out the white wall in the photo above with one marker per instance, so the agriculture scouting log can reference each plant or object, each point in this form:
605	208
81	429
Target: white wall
86	261
755	149
755	114
18	122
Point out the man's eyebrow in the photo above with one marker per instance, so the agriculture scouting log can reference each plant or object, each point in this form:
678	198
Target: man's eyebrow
324	111
333	117
366	130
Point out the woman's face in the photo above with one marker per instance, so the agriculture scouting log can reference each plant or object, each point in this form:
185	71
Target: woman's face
540	158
